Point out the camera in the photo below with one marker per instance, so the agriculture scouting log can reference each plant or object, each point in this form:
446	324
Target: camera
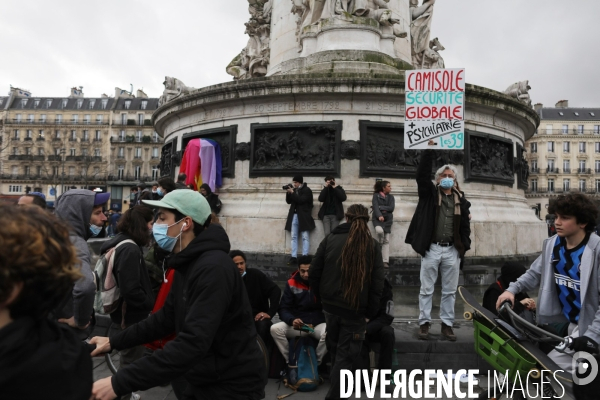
288	186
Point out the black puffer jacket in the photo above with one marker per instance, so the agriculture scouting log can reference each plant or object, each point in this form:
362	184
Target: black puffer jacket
325	277
131	273
422	226
41	359
337	195
208	308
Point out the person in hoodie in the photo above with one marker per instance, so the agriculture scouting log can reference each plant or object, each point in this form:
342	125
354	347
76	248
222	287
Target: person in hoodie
346	275
39	358
212	198
137	298
299	306
215	348
82	210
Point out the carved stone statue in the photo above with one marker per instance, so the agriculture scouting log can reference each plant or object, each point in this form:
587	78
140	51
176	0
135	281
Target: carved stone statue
173	88
425	52
253	60
520	91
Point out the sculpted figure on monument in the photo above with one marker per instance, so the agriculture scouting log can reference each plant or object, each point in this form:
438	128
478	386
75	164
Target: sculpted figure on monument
425	52
520	91
253	60
173	88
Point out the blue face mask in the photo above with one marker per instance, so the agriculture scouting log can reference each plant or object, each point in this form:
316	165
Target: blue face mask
160	192
164	241
95	230
447	183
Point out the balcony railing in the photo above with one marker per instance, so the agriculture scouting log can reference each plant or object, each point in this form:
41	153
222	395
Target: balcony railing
25	157
568	131
551	170
584	170
566	170
544	190
535	170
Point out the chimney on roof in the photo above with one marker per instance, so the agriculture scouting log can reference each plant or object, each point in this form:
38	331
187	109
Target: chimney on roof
122	93
537	107
76	92
562	104
104	96
141	95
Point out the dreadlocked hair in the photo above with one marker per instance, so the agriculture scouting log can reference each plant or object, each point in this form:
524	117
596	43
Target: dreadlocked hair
358	255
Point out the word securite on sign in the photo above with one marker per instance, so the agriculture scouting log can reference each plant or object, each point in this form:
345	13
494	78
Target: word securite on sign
435	105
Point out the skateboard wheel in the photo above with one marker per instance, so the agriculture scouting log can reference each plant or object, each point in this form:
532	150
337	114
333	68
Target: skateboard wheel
468	315
535	373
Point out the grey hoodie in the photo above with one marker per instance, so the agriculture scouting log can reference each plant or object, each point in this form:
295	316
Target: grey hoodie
541	274
75	207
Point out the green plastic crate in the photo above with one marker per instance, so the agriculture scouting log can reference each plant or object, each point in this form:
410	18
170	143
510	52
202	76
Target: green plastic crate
500	350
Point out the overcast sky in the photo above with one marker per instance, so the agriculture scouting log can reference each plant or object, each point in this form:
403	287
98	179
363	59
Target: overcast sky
50	46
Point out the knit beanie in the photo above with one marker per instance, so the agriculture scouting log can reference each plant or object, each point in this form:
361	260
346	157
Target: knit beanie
298	178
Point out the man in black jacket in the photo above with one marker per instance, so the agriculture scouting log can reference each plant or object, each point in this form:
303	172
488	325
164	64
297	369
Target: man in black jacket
332	210
215	347
300	199
263	293
346	275
440	232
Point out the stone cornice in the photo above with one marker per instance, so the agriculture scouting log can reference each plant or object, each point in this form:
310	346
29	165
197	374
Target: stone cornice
297	85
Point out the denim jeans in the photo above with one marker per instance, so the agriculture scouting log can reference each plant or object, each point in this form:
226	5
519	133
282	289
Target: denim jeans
344	341
281	332
384	241
305	241
447	261
330	222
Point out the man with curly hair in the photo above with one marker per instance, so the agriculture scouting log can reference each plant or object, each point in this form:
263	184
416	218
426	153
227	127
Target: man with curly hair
39	358
567	274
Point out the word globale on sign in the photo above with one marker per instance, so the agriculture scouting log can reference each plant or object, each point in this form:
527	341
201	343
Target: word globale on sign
434	117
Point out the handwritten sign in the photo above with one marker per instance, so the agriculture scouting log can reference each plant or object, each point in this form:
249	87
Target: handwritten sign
435	107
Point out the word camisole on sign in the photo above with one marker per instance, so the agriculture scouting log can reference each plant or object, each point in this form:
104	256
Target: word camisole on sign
435	107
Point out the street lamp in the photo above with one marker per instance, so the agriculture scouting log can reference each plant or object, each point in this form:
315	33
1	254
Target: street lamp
62	175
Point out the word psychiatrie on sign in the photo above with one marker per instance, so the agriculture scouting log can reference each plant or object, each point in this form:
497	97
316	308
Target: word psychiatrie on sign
435	108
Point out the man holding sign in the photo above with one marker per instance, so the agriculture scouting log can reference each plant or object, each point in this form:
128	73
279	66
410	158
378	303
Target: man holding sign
440	232
435	102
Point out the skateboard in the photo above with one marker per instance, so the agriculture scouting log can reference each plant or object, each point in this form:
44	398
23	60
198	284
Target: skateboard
504	347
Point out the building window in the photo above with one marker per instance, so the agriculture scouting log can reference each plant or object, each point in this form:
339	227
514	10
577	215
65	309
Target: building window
23	103
534	166
567	166
16	136
138	152
138	136
15	151
43	118
582	185
551	147
155	152
127	104
36	103
86	135
566	147
565	129
120	171
155	172
566	185
99	119
48	103
155	137
582	147
137	172
71	171
58	119
84	152
19	118
597	166
123	119
98	136
29	134
550	165
31	118
75	118
596	129
57	134
580	129
122	136
40	151
72	152
548	129
121	153
15	188
87	118
140	119
73	136
96	152
55	171
581	165
64	103
104	103
27	151
79	103
551	185
144	104
92	104
27	170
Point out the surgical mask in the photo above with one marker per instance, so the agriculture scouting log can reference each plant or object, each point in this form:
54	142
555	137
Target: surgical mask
164	241
447	183
95	229
160	192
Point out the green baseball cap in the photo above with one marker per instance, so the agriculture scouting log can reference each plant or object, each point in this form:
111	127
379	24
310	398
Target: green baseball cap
188	202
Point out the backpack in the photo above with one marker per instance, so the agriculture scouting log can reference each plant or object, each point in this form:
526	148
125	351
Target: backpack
107	291
302	373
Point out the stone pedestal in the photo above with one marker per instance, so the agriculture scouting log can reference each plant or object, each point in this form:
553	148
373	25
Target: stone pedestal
348	118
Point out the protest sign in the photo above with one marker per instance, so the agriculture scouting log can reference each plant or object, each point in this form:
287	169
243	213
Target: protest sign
435	106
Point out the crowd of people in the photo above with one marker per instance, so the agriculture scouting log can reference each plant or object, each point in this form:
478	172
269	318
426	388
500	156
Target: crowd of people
218	306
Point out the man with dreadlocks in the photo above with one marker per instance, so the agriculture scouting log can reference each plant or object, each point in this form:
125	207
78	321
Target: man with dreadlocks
347	276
